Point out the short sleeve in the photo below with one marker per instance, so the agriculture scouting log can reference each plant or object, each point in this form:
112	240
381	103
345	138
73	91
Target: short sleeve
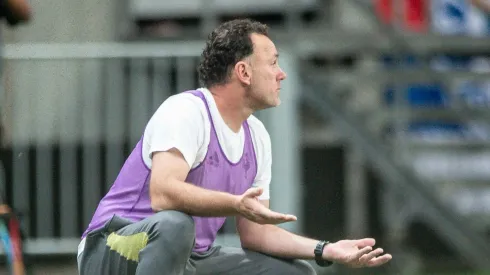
177	123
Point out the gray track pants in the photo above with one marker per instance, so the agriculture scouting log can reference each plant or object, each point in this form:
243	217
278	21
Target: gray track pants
162	244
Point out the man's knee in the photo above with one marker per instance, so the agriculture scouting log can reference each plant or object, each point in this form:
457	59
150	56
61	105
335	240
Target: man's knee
173	223
171	233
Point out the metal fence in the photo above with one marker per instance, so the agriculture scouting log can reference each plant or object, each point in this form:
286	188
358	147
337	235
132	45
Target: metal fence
72	113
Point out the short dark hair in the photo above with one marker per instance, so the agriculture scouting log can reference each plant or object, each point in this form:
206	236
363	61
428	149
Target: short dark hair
226	45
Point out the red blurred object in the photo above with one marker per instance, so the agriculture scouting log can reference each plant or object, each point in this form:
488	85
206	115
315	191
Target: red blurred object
414	13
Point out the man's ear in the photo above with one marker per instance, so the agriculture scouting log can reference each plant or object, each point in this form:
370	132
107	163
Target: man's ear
243	72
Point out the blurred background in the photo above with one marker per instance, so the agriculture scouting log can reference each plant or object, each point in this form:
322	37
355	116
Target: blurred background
384	128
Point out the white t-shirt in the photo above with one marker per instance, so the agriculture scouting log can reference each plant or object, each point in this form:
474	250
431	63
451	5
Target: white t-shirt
182	122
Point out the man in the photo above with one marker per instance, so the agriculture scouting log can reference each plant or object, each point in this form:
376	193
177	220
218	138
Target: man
203	157
13	12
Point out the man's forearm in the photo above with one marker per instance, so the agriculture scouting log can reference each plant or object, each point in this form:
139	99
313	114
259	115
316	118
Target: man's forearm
275	241
193	200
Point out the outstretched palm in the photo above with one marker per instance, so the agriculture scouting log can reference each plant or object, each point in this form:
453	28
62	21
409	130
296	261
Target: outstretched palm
356	253
250	207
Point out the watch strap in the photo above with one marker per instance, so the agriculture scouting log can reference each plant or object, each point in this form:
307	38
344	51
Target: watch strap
319	254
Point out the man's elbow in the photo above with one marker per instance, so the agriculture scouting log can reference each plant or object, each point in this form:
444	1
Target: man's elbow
251	239
248	242
157	204
254	243
159	200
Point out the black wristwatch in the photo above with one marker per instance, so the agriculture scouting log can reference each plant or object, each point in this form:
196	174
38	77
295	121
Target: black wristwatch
319	254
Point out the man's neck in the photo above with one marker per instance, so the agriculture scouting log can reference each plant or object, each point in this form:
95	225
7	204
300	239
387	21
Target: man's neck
232	106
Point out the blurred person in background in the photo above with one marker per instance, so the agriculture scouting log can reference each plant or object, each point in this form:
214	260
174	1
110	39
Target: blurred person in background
410	16
13	12
203	157
484	5
465	18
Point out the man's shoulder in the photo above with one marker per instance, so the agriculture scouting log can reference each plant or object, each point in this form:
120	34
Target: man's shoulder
184	98
179	106
182	103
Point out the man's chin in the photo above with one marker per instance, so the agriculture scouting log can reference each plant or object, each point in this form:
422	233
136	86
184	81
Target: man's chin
269	104
273	103
278	102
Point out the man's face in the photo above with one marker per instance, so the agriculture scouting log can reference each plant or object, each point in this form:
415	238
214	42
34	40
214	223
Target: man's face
266	76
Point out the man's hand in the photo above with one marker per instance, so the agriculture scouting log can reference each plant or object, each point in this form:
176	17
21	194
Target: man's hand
356	253
250	207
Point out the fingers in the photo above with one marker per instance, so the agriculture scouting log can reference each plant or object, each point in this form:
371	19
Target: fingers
379	260
270	217
254	192
285	218
367	258
257	212
364	259
362	252
275	217
288	218
365	242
